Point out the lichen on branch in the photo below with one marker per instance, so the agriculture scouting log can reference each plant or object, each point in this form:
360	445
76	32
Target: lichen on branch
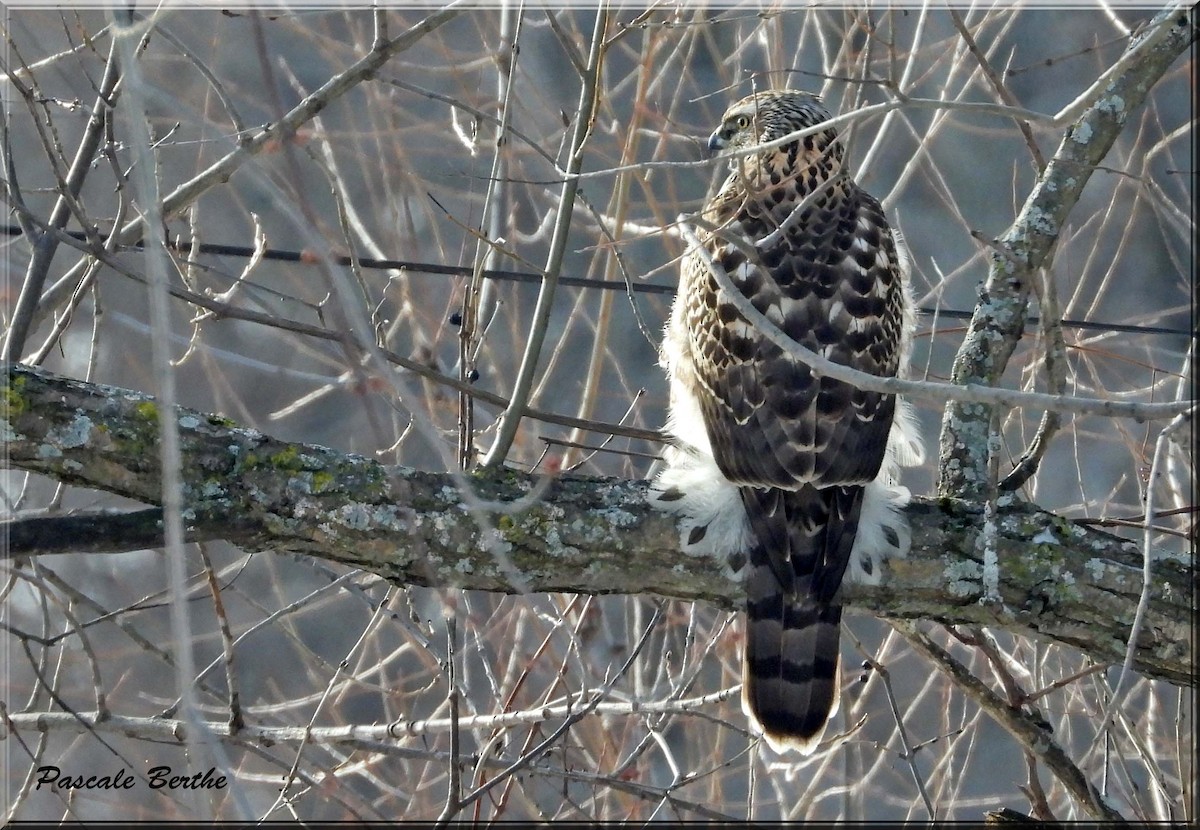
514	532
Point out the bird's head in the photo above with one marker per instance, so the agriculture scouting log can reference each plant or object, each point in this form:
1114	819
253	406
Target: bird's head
766	116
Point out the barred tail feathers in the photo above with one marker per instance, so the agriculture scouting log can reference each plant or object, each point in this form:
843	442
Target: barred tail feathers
802	546
790	686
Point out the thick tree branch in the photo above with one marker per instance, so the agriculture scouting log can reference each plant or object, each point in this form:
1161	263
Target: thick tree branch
1058	580
1029	243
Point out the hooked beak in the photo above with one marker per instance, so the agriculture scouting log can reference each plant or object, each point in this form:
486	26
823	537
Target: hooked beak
717	142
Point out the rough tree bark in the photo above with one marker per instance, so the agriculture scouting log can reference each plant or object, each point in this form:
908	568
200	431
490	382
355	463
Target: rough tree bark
508	531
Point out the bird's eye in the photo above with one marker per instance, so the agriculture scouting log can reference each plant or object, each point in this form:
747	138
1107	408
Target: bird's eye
742	122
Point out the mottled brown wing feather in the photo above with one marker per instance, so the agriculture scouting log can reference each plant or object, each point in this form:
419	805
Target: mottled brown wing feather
771	423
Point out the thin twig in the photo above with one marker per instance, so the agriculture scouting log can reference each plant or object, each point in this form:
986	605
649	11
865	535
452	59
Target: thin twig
46	244
412	268
1180	422
1056	377
511	418
174	203
1028	733
998	86
236	718
532	755
454	786
908	750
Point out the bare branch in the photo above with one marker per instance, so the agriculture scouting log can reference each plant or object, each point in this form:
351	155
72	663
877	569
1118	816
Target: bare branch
584	115
1020	725
999	318
46	244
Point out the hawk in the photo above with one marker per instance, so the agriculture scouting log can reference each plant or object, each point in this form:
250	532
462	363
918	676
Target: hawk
789	475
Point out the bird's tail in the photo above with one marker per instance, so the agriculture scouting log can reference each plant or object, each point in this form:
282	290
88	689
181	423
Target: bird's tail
790	673
803	541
